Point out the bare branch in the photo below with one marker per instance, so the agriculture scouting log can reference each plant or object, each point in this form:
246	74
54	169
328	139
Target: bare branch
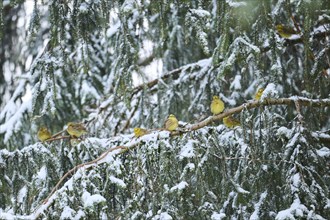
254	104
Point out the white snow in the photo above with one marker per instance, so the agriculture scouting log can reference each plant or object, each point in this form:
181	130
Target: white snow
113	30
296	210
118	181
9	216
293	140
283	131
80	215
255	214
22	194
295	182
218	216
162	216
12	114
83	7
89	200
86	90
269	92
182	185
67	213
42	174
242	40
136	215
201	12
323	152
187	151
236	84
235	4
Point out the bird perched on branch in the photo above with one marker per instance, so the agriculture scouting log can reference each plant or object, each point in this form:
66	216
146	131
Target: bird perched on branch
259	94
171	123
139	132
76	129
285	31
231	122
43	134
217	105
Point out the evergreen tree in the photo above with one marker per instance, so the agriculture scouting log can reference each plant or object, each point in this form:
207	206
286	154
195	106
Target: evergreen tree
113	66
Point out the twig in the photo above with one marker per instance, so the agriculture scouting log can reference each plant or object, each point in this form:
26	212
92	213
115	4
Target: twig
72	171
58	133
300	117
57	138
250	159
81	165
249	105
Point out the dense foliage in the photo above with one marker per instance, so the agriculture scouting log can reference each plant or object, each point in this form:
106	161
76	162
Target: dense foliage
116	65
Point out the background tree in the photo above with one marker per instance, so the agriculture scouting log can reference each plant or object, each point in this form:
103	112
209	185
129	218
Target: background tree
116	65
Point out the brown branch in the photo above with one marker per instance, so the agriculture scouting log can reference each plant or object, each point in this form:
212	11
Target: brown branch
301	101
57	138
254	104
81	165
146	61
174	73
249	159
150	84
58	133
74	170
128	121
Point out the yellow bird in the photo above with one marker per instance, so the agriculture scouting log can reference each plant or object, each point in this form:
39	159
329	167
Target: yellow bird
76	129
259	94
43	134
139	132
231	122
171	123
284	31
217	105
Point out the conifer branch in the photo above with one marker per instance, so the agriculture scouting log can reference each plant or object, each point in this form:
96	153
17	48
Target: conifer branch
44	205
298	101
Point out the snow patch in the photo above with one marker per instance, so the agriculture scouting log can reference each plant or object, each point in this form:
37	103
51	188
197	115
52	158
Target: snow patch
255	214
113	30
89	200
218	216
67	213
42	174
22	194
323	152
296	210
117	181
161	216
83	7
235	4
182	185
236	84
269	92
187	151
283	131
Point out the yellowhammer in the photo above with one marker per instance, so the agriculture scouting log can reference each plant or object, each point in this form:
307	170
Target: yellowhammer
171	123
231	122
43	134
259	94
217	105
76	129
284	31
139	132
